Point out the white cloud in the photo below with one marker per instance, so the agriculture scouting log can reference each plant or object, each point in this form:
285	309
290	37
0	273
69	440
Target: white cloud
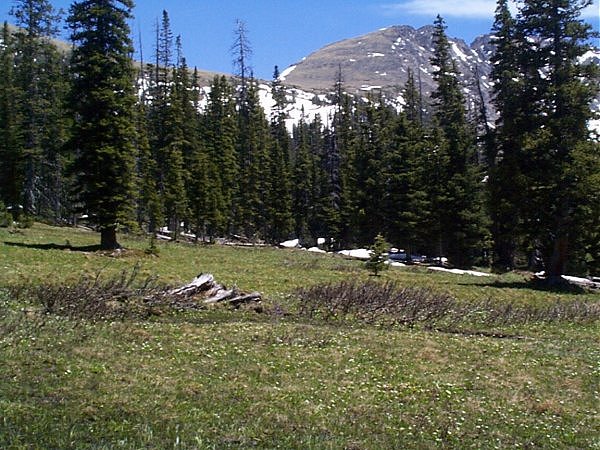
468	9
446	8
592	12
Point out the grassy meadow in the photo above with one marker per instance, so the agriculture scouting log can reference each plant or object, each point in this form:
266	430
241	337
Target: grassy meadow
220	378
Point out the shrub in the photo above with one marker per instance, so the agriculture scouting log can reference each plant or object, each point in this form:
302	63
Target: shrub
376	303
5	217
390	304
25	222
94	298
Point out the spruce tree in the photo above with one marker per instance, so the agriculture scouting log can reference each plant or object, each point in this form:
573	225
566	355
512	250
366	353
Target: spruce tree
461	202
374	138
219	135
254	141
302	188
103	102
11	172
406	176
38	73
506	180
279	199
560	89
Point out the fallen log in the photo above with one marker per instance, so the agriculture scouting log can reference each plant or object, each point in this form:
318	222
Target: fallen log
201	283
204	289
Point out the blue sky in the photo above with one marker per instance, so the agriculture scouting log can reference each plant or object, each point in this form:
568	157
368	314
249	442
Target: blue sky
282	32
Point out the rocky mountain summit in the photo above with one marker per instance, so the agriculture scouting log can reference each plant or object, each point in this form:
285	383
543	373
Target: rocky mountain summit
380	61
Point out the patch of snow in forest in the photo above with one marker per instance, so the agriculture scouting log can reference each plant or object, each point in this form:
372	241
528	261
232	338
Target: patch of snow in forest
395	263
460	272
359	253
375	55
300	102
368	88
292	243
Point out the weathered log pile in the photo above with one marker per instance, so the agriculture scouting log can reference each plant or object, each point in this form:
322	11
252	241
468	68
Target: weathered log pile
204	290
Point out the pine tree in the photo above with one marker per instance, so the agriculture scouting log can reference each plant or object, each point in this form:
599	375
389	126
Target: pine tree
103	100
302	188
11	172
149	206
38	73
506	181
374	133
406	176
279	199
254	162
343	154
219	135
378	259
242	53
559	90
462	215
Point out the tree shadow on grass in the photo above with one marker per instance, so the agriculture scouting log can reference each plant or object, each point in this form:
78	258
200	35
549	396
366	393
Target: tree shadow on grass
535	285
52	246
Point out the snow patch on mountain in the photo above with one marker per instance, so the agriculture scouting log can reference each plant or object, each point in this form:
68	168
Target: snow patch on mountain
286	72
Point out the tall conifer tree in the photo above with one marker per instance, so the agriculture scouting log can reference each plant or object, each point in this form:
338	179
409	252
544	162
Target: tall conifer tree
11	172
39	74
461	202
103	101
559	89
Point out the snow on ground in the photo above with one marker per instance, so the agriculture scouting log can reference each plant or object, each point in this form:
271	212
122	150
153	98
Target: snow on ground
316	250
395	264
458	52
375	55
578	280
368	88
359	253
575	280
460	272
304	101
293	243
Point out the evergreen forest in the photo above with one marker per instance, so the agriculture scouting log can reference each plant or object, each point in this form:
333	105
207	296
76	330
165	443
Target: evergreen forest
137	146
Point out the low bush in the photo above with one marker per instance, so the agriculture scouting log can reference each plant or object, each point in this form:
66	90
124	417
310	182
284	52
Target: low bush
389	304
373	302
6	219
93	297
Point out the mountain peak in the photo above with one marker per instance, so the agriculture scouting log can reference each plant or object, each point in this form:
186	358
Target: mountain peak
382	59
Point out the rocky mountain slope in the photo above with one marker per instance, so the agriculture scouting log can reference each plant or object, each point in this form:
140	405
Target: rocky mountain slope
380	61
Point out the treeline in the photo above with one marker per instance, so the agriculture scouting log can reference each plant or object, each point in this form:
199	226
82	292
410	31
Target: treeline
143	148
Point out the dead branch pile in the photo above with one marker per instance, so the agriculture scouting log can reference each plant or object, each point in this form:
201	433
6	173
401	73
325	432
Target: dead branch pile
393	305
205	290
123	296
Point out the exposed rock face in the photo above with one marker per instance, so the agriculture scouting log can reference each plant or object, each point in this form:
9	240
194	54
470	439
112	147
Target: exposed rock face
380	61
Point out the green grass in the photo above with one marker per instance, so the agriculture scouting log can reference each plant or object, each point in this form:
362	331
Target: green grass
223	379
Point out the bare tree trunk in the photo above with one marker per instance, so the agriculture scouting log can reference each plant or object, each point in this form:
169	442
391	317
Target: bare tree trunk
558	261
108	238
